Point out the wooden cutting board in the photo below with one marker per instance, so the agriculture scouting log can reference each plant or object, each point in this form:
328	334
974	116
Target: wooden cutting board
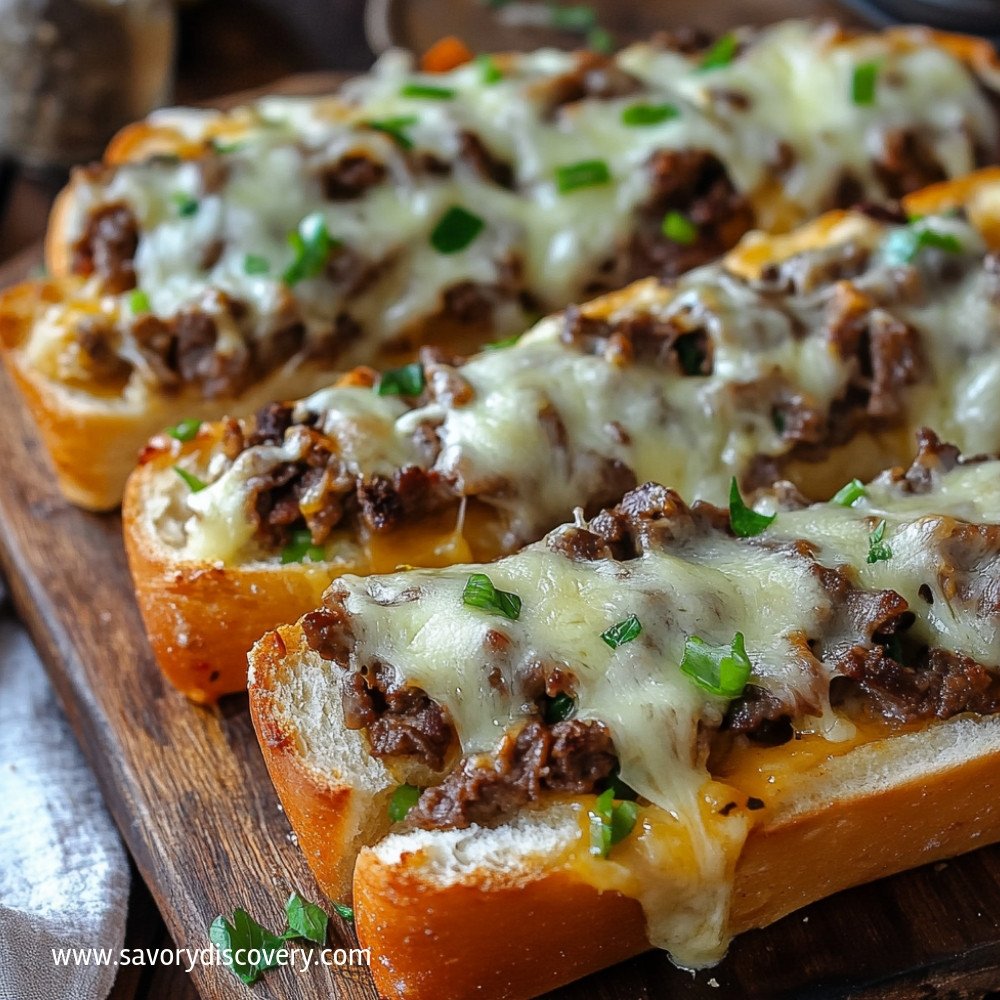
188	790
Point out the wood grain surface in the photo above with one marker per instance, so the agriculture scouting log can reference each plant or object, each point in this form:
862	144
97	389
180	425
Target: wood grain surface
188	789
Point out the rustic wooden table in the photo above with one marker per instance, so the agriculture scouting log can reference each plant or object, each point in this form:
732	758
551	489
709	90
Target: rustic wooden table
230	45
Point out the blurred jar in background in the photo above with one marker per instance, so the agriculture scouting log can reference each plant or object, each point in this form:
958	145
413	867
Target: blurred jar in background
72	72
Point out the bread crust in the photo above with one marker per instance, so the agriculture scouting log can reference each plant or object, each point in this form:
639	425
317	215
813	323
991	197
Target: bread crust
524	933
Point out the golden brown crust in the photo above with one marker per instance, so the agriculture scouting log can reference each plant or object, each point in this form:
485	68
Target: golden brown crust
530	933
320	811
202	618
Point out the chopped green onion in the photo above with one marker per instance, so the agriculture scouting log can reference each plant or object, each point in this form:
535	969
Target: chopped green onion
849	493
610	822
625	631
405	381
255	264
404	798
456	229
903	245
744	520
586	173
720	670
344	911
489	71
138	301
878	548
481	593
186	430
559	708
499	345
600	40
637	115
721	53
219	146
863	82
194	484
679	228
186	205
427	91
578	18
393	127
312	244
301	548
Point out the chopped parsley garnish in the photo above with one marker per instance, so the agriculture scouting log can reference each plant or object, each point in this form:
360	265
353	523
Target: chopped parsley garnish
586	173
344	911
255	264
849	493
186	205
489	71
219	146
428	92
720	670
638	115
744	520
305	920
312	244
456	229
393	127
186	430
301	548
404	798
863	82
903	245
499	345
625	631
405	381
242	937
600	40
610	822
878	548
579	18
559	708
138	301
679	228
481	593
721	53
194	484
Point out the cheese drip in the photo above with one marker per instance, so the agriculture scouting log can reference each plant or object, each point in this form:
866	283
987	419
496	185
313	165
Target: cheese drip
693	583
547	418
788	94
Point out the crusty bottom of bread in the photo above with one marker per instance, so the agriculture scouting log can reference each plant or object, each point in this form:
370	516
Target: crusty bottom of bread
496	912
485	912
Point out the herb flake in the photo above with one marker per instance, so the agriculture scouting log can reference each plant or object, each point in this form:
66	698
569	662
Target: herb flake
721	53
138	302
301	548
185	430
642	115
624	631
559	708
405	381
428	92
903	245
394	128
610	822
456	230
720	670
344	911
744	520
586	173
194	484
679	228
256	264
311	244
404	798
849	493
242	936
481	593
879	549
863	82
305	920
186	205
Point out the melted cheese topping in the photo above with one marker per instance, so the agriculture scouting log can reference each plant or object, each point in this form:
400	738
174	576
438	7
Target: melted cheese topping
546	418
789	89
703	583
